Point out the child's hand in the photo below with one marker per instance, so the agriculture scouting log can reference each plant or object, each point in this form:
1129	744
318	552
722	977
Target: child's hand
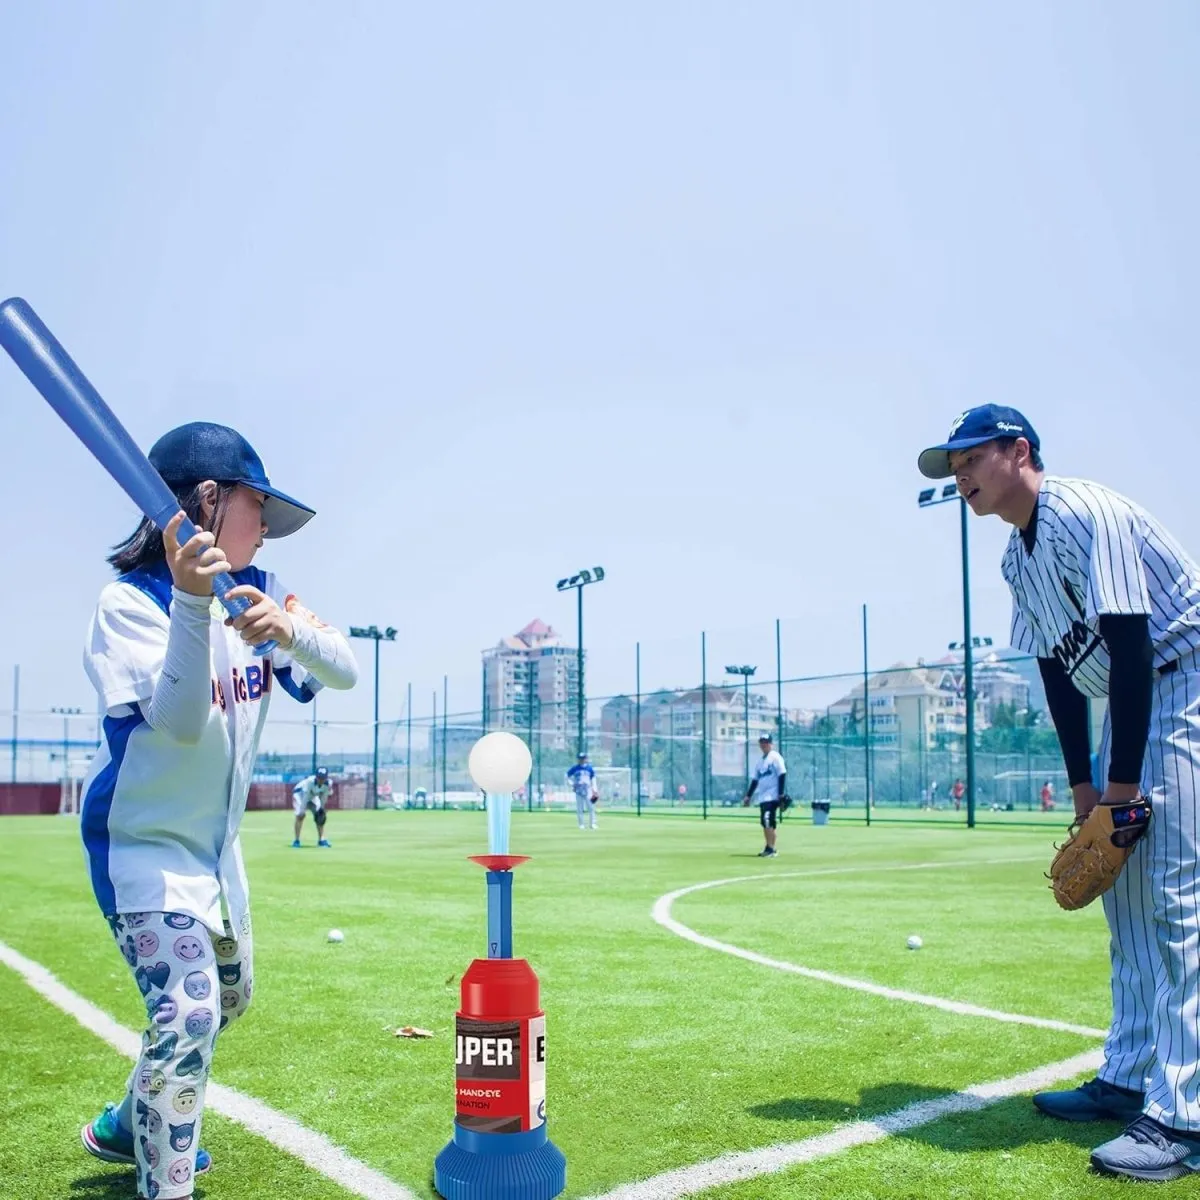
263	621
193	564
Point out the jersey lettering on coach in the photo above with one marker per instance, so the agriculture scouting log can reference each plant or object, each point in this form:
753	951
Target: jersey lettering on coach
1079	641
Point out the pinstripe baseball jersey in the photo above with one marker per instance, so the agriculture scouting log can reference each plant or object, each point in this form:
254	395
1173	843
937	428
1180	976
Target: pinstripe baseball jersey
1097	553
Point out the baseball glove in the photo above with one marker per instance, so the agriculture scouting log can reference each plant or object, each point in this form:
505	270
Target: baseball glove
1090	860
785	802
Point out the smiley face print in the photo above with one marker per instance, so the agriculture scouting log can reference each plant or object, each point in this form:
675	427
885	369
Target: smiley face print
189	948
180	1172
199	1022
197	986
181	1136
149	1151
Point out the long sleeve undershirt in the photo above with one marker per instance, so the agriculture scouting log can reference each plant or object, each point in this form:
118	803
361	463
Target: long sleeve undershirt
324	654
179	706
1130	690
183	694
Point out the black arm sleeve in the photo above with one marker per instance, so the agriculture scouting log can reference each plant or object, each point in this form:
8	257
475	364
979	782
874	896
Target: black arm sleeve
1130	692
750	789
782	784
1069	712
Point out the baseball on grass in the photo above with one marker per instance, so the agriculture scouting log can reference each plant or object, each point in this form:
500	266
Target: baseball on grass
335	935
499	762
915	943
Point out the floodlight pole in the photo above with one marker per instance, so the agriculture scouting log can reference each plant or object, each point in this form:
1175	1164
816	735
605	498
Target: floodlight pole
927	499
375	634
67	714
745	673
579	582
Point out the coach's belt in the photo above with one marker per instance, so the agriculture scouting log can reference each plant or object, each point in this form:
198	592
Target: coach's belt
1189	660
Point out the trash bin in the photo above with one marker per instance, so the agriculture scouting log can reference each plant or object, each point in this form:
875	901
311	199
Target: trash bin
820	811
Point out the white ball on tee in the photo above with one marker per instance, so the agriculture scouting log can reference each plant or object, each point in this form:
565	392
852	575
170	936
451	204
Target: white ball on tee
499	762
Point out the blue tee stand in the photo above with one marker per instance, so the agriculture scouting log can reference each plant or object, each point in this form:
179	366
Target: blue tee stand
499	1166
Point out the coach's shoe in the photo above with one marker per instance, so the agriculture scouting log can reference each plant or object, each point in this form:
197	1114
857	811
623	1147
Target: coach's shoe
1092	1101
296	844
323	842
105	1139
1150	1151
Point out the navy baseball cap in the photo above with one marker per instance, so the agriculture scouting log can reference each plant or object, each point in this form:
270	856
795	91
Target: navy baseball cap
322	772
764	737
201	450
974	427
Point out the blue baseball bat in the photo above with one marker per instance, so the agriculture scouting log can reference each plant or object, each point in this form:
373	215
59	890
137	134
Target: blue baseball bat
51	370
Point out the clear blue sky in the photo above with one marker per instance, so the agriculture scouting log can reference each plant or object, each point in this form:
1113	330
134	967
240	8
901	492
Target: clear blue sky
677	288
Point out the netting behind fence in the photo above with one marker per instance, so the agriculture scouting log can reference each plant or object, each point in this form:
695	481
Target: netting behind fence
896	736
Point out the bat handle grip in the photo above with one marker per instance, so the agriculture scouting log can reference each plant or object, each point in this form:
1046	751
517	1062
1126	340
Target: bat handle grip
222	584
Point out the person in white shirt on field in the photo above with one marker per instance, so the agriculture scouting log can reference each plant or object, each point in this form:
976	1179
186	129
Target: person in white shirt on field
185	699
768	784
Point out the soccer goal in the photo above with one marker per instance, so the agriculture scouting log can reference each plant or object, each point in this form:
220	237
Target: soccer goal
615	785
68	797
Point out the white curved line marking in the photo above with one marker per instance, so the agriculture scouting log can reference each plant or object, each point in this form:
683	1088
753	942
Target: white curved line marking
313	1149
662	914
746	1164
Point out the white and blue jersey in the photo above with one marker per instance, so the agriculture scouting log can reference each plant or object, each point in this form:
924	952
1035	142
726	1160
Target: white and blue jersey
582	777
160	819
310	790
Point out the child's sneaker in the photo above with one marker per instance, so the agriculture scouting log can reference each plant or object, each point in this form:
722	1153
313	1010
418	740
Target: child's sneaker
296	844
324	843
105	1139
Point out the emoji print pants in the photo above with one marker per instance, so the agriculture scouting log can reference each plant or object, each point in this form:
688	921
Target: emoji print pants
194	984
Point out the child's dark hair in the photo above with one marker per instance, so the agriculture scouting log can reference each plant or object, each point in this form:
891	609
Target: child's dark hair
1035	456
144	546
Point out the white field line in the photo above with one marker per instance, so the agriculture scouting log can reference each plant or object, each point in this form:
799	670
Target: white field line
747	1164
311	1148
662	914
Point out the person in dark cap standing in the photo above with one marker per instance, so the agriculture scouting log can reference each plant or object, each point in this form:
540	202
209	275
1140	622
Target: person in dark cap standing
1109	603
769	785
185	698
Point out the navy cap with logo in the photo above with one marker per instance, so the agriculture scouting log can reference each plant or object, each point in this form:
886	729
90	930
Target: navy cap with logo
201	450
974	427
322	772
